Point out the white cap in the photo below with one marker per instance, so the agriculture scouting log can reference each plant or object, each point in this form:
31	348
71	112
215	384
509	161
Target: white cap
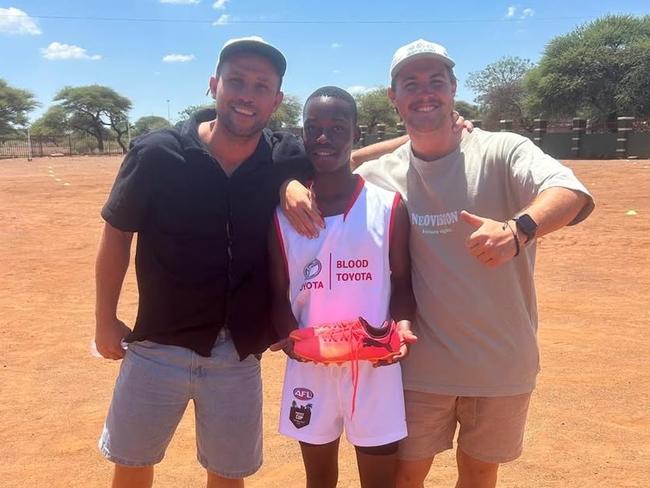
417	50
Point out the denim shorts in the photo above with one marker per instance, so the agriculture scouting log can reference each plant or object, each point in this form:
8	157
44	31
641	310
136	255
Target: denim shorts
153	388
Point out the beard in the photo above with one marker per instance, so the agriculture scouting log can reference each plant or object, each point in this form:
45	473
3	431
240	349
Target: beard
226	119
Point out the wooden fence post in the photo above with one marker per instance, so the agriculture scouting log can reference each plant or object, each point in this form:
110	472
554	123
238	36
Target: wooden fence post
624	130
579	128
539	129
506	125
381	132
363	129
29	144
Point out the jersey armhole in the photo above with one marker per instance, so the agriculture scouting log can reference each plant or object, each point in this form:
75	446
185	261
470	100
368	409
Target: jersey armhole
279	237
391	222
393	211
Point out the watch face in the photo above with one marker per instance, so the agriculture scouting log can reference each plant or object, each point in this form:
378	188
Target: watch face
527	225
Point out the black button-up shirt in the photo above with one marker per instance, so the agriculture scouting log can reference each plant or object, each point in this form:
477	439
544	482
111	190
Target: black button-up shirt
201	257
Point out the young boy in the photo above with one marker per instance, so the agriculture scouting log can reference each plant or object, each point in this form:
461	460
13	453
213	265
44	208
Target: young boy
358	266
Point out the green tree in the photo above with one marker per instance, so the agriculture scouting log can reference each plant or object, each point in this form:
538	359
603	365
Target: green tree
185	114
374	108
600	70
15	104
51	125
288	113
52	122
500	88
149	123
467	110
96	109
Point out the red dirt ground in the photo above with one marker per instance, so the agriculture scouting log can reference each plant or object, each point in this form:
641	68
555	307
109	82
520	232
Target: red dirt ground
589	424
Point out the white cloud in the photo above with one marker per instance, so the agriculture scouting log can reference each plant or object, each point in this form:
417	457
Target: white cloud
220	4
222	20
181	2
359	89
336	45
336	71
59	51
527	12
511	12
15	21
178	58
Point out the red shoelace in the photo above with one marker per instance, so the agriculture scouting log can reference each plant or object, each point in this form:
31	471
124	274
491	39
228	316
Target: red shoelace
354	335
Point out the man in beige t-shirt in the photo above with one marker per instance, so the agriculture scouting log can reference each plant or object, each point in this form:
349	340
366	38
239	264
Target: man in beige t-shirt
477	201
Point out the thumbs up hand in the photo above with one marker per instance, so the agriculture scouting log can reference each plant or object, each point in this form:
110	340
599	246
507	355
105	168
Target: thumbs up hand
490	242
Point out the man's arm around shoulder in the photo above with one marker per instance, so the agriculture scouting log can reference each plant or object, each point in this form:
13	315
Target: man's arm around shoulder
375	151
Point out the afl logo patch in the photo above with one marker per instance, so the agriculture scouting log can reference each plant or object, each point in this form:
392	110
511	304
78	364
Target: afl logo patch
303	394
312	270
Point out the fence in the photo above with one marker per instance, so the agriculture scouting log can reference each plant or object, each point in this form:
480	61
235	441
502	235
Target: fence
48	145
576	139
623	139
626	138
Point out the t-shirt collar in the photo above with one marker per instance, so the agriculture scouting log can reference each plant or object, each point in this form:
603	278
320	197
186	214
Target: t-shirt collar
442	162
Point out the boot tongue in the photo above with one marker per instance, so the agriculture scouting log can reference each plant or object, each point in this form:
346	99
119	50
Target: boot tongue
375	332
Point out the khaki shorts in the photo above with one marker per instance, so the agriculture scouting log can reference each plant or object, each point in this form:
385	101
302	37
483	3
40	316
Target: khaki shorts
491	428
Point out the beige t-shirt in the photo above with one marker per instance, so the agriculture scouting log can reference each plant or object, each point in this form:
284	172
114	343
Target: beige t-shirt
476	326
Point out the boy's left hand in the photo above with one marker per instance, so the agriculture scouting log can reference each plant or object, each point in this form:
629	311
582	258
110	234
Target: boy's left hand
406	337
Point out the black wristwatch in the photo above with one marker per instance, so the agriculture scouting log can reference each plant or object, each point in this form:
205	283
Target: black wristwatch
526	225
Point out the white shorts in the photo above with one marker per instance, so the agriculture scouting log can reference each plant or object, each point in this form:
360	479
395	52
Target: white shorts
317	404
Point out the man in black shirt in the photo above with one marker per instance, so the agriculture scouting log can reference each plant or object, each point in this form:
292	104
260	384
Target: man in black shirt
200	197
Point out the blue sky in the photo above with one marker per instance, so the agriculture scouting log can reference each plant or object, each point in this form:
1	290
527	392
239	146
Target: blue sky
157	50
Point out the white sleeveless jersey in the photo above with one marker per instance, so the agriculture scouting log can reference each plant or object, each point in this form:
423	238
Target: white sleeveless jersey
341	275
345	272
